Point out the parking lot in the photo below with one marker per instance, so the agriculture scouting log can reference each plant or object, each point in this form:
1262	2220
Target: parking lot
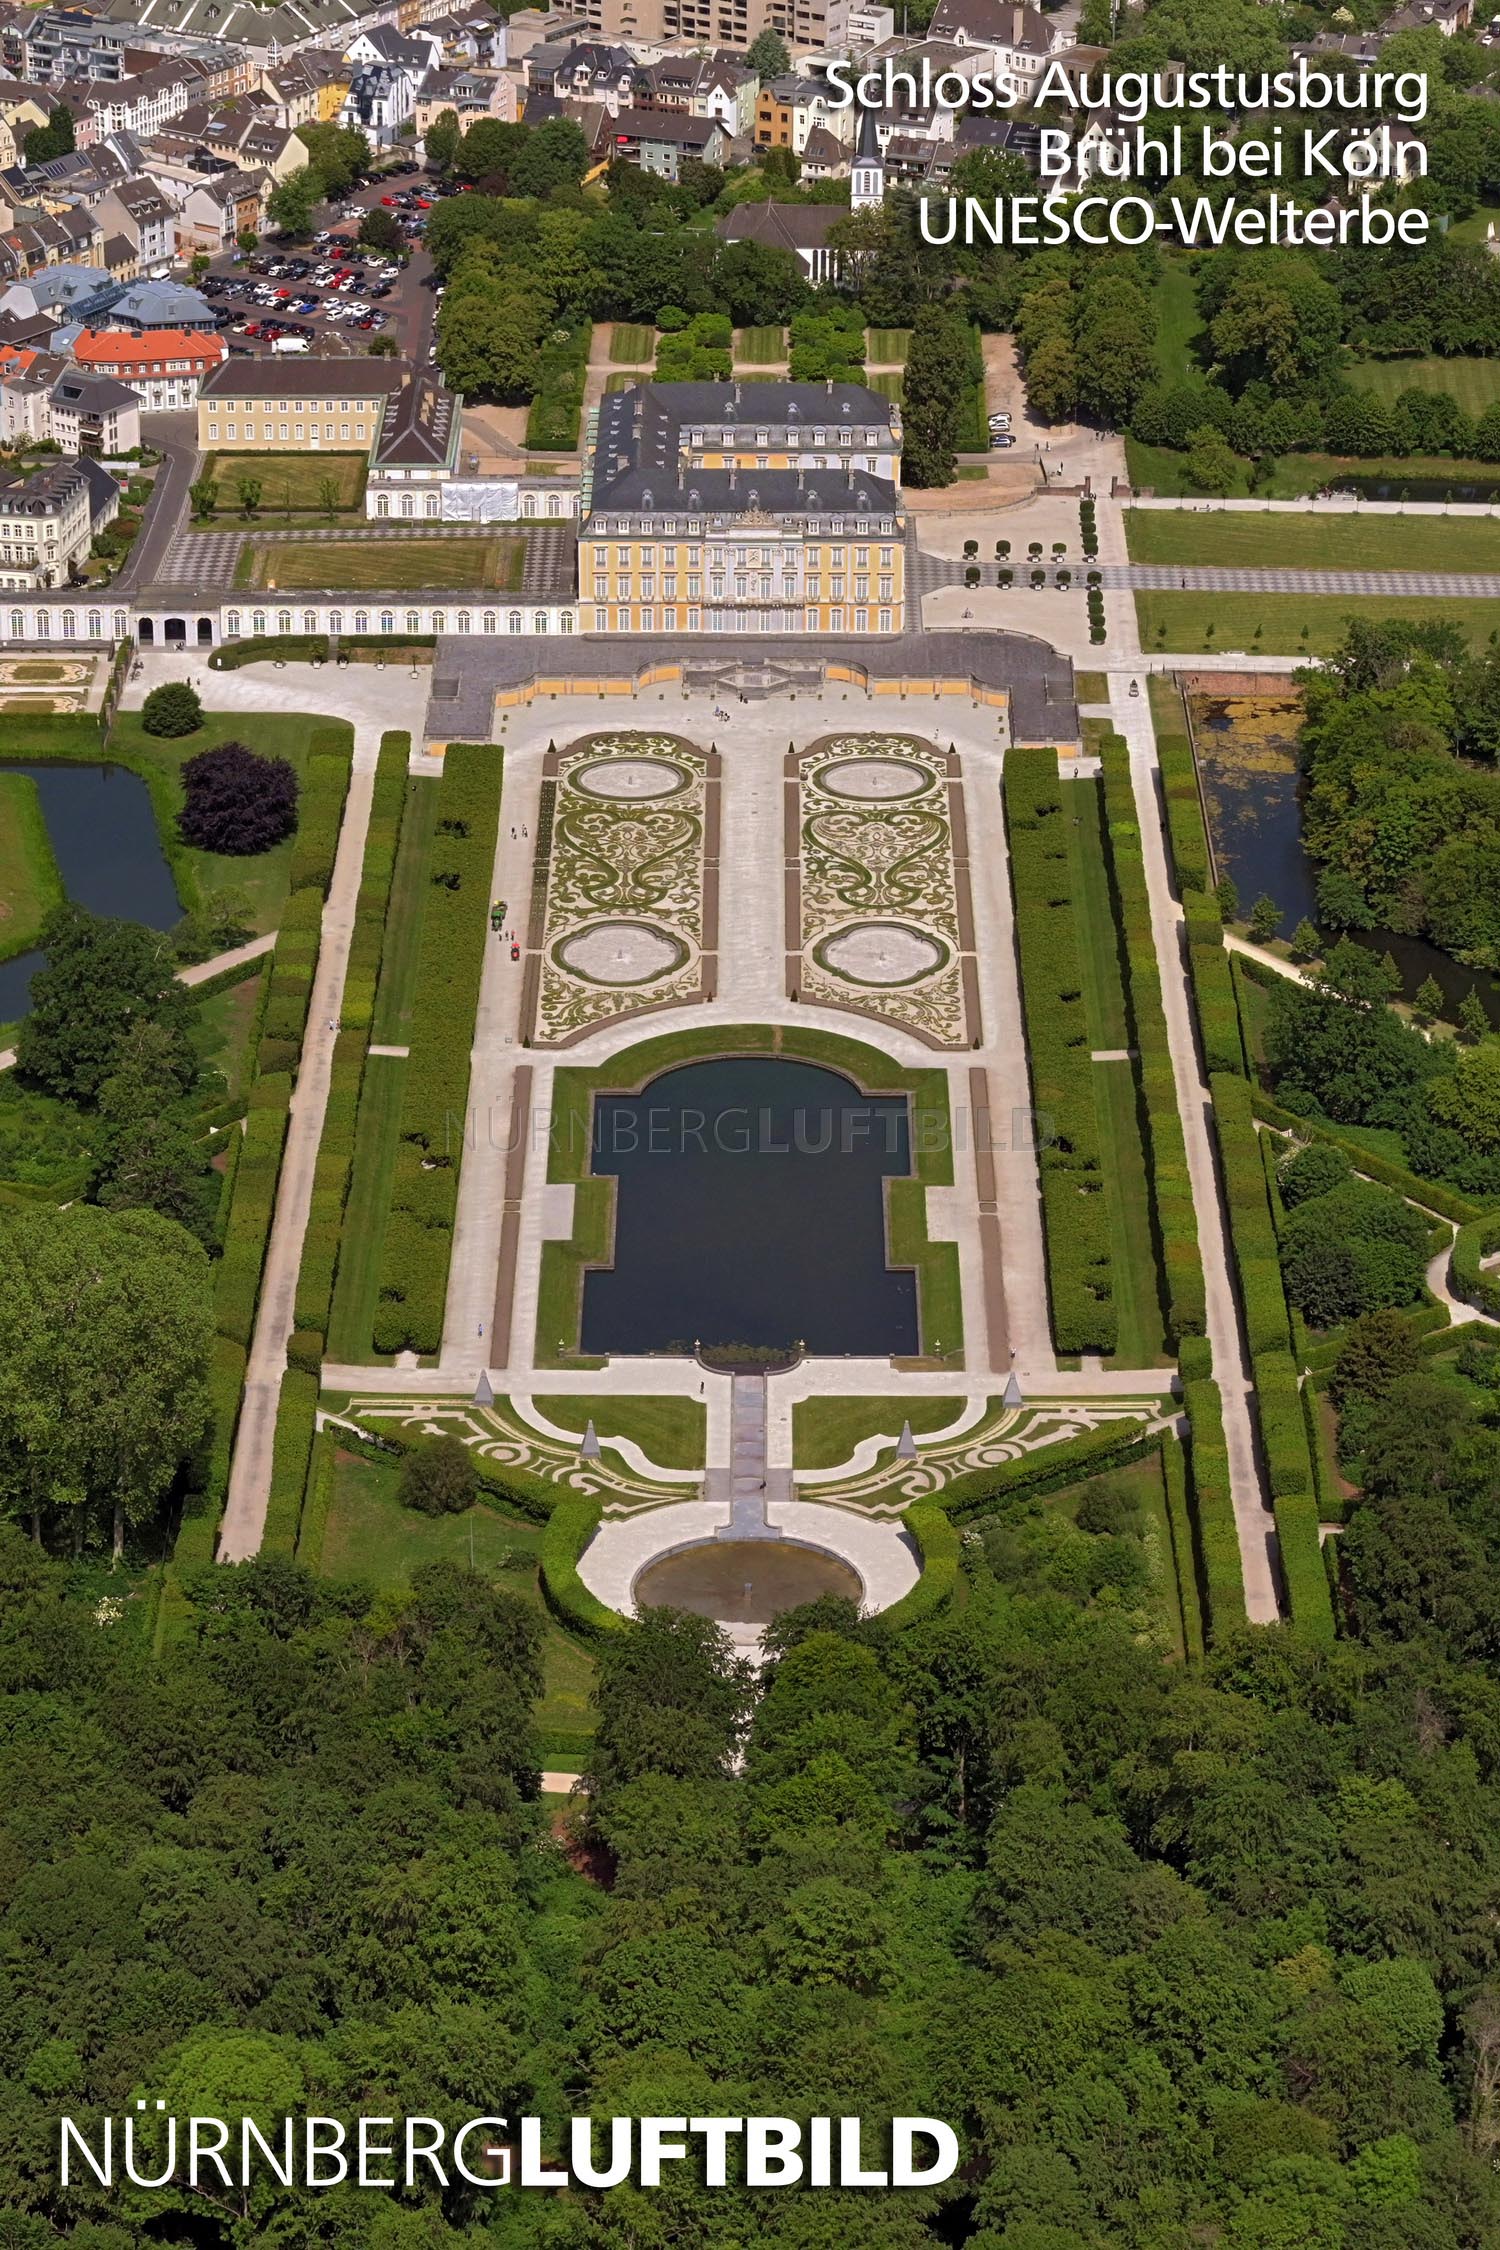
329	294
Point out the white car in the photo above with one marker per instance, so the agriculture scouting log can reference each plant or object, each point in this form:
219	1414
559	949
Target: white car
999	421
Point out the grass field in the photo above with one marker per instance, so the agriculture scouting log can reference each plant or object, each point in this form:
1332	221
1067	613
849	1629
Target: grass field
1287	542
362	1240
1274	623
1178	321
760	347
393	565
260	881
30	885
371	1538
1475	383
225	1022
825	1431
631	344
618	380
1158	469
888	384
289	480
887	347
669	1431
1091	687
1137	1281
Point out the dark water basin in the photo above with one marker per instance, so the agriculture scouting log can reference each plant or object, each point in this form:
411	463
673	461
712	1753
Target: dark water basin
108	854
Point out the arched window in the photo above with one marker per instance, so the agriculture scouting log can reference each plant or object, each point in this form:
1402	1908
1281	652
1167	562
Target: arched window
122	626
528	505
414	621
387	621
335	621
489	621
70	624
232	624
309	621
17	624
513	622
539	622
383	504
463	621
361	621
406	507
566	621
96	625
43	625
431	504
554	503
283	621
258	621
439	622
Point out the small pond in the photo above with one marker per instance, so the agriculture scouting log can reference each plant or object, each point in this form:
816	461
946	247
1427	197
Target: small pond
108	854
750	1210
1247	756
744	1581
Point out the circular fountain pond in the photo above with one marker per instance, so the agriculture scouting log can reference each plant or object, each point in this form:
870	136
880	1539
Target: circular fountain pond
744	1581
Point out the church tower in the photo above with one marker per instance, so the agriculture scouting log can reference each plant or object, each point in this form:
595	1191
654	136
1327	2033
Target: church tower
867	175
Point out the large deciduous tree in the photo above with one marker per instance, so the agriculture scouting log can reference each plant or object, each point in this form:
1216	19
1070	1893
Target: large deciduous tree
102	980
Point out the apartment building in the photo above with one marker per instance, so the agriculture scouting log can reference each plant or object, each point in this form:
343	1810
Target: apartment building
94	415
788	111
164	368
48	521
469	93
765	507
315	404
808	26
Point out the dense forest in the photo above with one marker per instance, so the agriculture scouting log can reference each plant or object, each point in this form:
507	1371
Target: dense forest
1189	1955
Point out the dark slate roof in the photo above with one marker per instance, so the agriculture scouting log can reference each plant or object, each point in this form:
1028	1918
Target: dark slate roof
417	428
781	226
638	464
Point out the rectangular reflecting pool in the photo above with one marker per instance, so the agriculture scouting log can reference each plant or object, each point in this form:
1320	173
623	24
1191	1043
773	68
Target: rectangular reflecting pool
751	1210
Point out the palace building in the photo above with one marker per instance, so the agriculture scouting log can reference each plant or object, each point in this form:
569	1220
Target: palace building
744	508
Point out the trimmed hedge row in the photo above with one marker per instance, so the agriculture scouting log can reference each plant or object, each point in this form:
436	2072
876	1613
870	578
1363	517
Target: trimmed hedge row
1110	1446
1180	1521
1074	1208
287	648
1470	1281
1213	984
1431	1194
296	1423
450	960
1171	1185
198	1532
237	1284
1213	1508
1283	1425
1302	1568
316	1503
387	804
330	1189
1331	1504
1250	1228
569	1529
320	809
1185	830
937	1545
289	991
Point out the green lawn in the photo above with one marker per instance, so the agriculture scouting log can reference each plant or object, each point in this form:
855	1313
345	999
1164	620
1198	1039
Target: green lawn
887	384
669	1431
371	1538
292	481
1475	383
1274	623
391	1023
1157	468
1178	321
618	380
1142	1337
760	347
260	881
887	347
1307	542
225	1022
30	885
631	344
1091	687
825	1431
384	565
362	1239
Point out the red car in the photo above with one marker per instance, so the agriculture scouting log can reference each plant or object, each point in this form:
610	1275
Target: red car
389	201
515	953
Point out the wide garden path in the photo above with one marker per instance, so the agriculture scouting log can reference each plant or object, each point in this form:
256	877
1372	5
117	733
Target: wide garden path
1253	1518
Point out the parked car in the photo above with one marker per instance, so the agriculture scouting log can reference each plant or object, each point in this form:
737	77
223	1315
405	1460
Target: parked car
999	439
